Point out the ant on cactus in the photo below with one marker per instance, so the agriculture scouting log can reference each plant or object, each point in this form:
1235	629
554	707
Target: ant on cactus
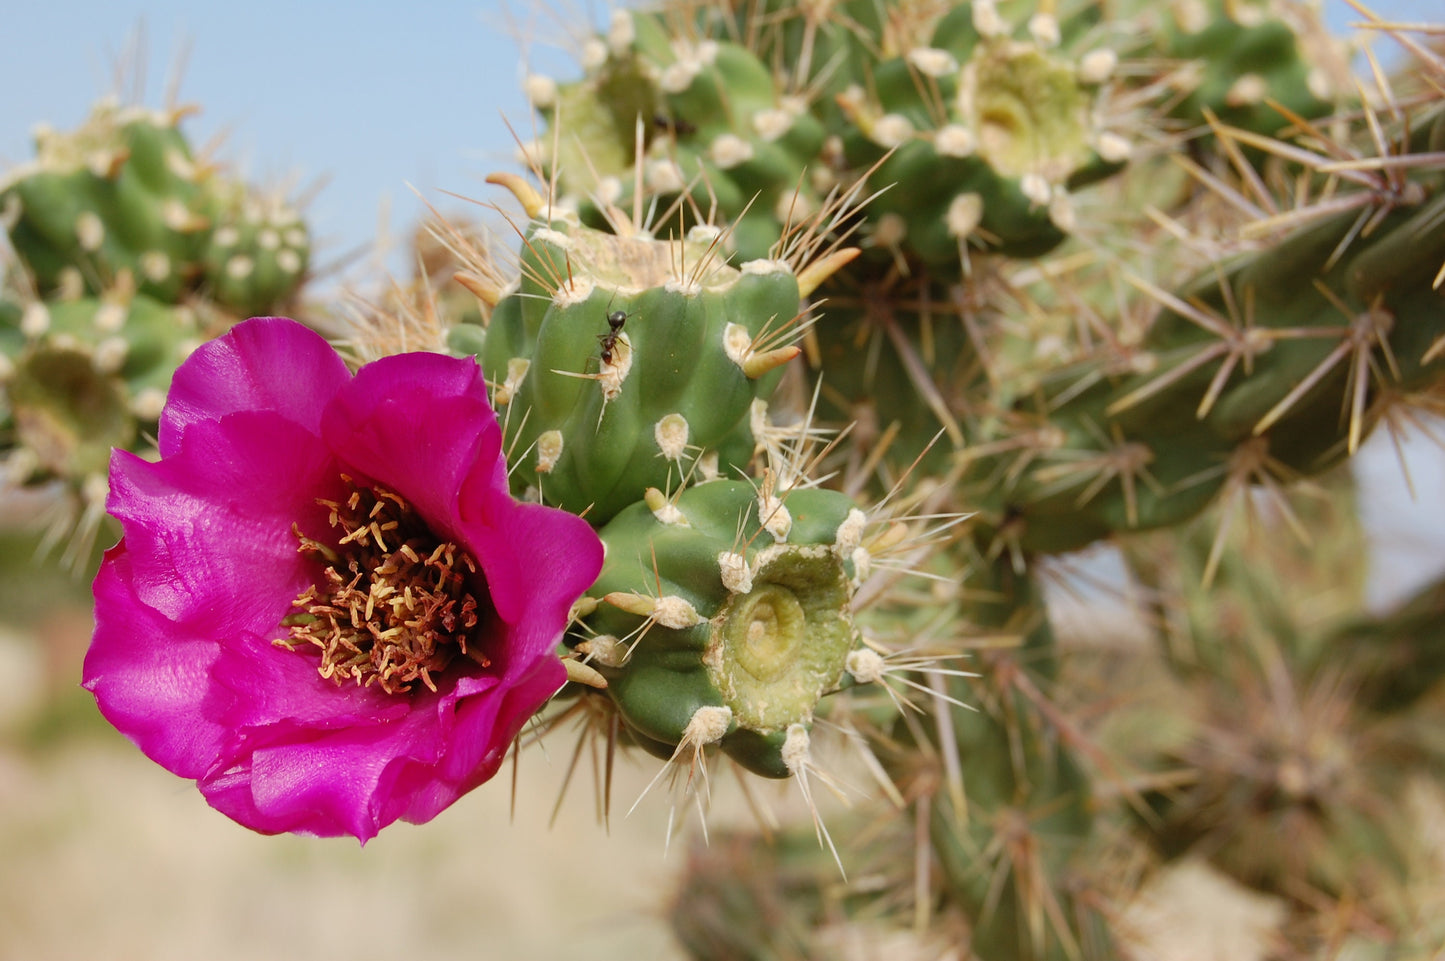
615	320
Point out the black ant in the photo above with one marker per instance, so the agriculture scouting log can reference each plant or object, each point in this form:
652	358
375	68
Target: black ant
678	126
615	320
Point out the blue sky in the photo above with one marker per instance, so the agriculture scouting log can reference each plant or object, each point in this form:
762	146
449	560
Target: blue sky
372	96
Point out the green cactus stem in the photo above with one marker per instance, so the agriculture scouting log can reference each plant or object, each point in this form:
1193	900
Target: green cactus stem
625	362
123	201
725	617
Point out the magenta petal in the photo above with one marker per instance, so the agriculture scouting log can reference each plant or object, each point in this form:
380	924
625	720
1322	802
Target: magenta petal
278	694
320	788
419	424
331	785
266	363
359	778
475	757
537	560
209	530
159	695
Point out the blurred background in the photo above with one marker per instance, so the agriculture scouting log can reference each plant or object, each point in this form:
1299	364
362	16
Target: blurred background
355	103
356	106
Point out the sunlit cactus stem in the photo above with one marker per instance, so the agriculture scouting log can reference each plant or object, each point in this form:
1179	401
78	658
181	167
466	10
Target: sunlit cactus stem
624	362
724	618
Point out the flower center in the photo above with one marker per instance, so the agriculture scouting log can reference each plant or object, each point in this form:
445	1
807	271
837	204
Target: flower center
394	606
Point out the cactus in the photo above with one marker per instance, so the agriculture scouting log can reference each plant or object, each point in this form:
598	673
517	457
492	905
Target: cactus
81	377
1247	337
1047	277
122	193
716	130
124	196
1010	853
1246	64
992	132
626	363
724	618
257	252
744	900
89	374
129	252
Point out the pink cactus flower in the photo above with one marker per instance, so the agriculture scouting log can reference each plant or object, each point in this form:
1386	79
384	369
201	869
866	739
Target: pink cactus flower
326	607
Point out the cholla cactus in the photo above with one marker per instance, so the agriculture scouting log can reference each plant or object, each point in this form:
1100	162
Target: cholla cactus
990	131
129	252
621	360
1215	319
1249	64
840	323
634	375
723	617
123	195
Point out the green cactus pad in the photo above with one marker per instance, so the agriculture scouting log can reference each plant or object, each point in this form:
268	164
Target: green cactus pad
1251	68
258	253
122	201
604	414
748	614
87	374
717	125
67	413
988	135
